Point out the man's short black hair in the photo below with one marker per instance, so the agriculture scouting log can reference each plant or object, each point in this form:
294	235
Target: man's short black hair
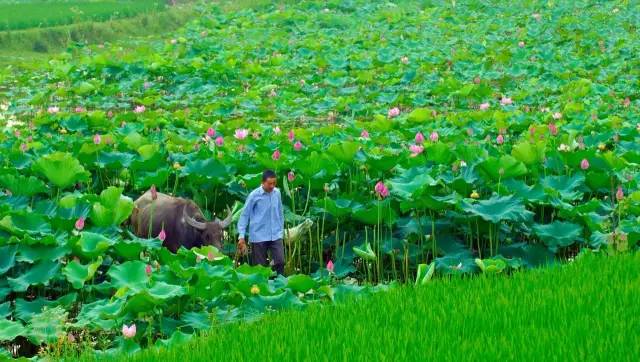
267	174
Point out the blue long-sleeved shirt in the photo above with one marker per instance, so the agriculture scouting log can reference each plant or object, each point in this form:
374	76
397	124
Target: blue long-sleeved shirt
264	216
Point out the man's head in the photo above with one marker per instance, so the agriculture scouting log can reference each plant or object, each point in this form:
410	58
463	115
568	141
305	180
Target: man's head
268	180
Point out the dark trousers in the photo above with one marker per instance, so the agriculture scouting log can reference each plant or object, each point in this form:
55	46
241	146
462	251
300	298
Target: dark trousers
259	254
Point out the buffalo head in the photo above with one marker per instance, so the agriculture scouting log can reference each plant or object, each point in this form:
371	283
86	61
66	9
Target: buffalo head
210	231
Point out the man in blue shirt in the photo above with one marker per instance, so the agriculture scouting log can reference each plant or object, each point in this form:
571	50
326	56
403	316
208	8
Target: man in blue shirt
264	215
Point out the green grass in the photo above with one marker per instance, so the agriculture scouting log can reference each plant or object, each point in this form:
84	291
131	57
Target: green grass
32	46
584	311
43	13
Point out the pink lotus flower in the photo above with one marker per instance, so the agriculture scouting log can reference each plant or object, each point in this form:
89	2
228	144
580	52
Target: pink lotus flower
584	164
404	60
364	134
500	139
556	115
381	189
154	192
416	150
211	132
419	138
97	139
24	147
291	135
291	176
210	256
198	258
505	101
626	102
276	155
162	235
53	110
521	44
330	266
484	106
129	332
80	223
276	130
536	16
148	269
219	141
619	194
553	129
241	133
79	109
434	136
393	112
17	132
139	109
110	114
469	132
297	146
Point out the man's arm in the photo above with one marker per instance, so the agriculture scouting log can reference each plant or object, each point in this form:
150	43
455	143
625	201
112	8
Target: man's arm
244	217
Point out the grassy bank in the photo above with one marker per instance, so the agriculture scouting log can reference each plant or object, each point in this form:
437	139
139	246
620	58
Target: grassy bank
19	47
46	13
587	310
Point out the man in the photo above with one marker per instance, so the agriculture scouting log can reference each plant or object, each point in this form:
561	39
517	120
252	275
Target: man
264	215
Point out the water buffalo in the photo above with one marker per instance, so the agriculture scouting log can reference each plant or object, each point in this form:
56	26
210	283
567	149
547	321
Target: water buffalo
182	220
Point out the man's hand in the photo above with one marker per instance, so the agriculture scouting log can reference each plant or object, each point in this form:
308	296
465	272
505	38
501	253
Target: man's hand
242	246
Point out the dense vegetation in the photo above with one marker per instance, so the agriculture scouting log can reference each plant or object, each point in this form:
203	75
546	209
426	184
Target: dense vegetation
16	15
424	139
578	312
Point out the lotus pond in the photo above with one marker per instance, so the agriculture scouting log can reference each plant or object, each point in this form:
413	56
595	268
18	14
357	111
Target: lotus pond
423	139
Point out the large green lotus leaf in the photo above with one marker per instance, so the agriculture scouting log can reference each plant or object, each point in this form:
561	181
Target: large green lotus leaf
91	245
456	264
528	193
382	162
130	274
47	326
115	160
130	249
343	151
197	320
375	212
145	179
507	165
83	88
20	224
177	338
300	283
258	269
24	309
564	187
5	309
558	234
410	182
112	209
7	257
23	185
276	302
39	274
61	169
338	207
9	330
529	153
439	153
99	314
209	168
33	253
77	274
499	208
420	115
4	288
